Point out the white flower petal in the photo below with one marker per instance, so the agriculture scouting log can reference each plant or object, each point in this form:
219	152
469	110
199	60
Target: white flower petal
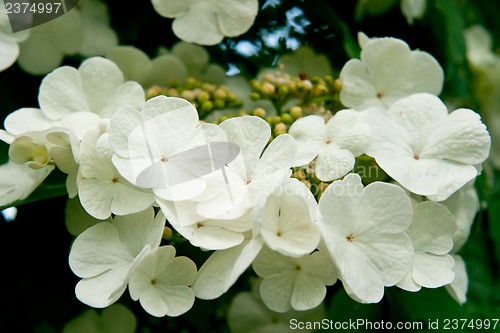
432	228
333	163
223	268
432	271
103	290
251	134
308	292
458	288
310	133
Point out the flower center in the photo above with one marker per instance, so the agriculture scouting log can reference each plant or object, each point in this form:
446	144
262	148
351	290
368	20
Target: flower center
297	268
115	180
379	94
328	141
350	238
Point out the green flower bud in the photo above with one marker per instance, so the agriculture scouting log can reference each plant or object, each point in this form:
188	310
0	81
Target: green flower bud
219	104
220	94
203	96
207	106
255	96
296	112
287	118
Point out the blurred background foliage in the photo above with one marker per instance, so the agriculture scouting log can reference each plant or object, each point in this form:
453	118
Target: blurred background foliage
38	286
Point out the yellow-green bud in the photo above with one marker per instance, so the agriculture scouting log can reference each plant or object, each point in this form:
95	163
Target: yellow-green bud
320	89
337	84
287	118
203	97
188	94
219	104
299	174
279	128
220	94
268	88
259	112
207	106
306	183
191	82
283	91
154	91
167	234
255	96
296	112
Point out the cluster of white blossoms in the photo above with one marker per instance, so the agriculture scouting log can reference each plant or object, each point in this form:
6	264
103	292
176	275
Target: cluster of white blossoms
147	167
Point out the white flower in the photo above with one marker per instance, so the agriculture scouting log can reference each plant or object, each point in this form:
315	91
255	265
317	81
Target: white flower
305	60
207	22
431	233
9	48
255	173
413	9
479	46
297	236
114	319
18	181
364	232
96	87
148	146
50	42
285	219
161	283
298	283
101	189
335	143
104	255
98	36
248	314
425	149
387	71
136	65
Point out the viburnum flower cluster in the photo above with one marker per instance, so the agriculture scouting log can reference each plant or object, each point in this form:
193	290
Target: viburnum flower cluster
146	169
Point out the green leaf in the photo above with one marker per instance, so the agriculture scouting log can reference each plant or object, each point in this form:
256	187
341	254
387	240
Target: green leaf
344	309
448	22
4	152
